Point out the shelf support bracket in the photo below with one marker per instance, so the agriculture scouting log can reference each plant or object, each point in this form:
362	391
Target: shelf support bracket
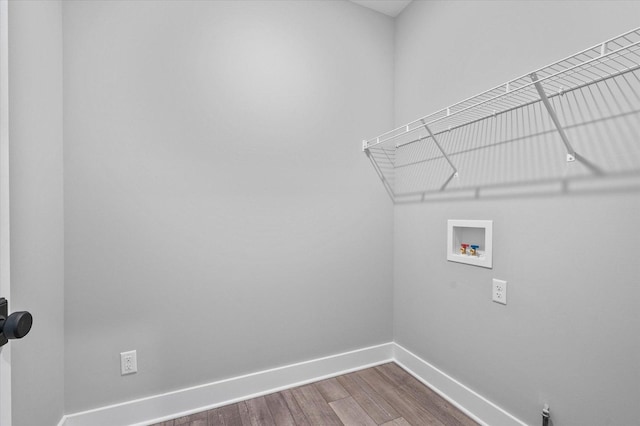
455	170
571	153
384	180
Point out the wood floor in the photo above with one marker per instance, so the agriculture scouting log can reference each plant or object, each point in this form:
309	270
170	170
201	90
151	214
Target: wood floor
384	395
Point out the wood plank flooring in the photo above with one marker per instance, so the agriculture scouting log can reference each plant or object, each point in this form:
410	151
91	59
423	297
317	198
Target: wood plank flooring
384	395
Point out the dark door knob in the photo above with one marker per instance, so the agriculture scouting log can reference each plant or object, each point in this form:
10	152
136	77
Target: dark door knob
14	326
17	325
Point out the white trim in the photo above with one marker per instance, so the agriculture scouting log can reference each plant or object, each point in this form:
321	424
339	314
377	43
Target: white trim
158	408
182	402
464	398
5	276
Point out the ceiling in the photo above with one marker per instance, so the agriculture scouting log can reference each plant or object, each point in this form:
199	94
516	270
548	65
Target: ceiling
388	7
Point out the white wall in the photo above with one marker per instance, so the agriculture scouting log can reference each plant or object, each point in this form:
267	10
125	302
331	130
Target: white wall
37	275
220	217
568	335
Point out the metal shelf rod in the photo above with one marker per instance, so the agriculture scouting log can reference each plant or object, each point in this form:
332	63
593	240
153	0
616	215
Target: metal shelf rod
519	89
525	104
506	89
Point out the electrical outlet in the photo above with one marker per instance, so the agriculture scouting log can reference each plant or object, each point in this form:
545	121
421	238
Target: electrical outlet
128	363
499	293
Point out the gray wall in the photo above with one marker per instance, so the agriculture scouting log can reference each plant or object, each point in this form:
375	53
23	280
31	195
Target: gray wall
220	217
568	335
37	275
220	220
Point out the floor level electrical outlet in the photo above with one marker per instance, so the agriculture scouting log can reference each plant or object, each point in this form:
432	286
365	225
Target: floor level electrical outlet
128	363
499	293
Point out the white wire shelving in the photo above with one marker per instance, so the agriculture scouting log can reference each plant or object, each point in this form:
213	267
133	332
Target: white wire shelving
612	66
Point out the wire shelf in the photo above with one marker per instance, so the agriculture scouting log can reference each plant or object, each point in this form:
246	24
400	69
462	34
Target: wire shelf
597	87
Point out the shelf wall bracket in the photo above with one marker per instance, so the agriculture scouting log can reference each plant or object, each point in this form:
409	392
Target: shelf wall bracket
571	153
455	170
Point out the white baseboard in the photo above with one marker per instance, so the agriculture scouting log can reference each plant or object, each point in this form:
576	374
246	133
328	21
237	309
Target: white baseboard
158	408
62	421
467	400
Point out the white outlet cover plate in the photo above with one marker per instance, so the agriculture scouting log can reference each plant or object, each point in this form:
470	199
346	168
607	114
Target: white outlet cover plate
128	362
499	291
